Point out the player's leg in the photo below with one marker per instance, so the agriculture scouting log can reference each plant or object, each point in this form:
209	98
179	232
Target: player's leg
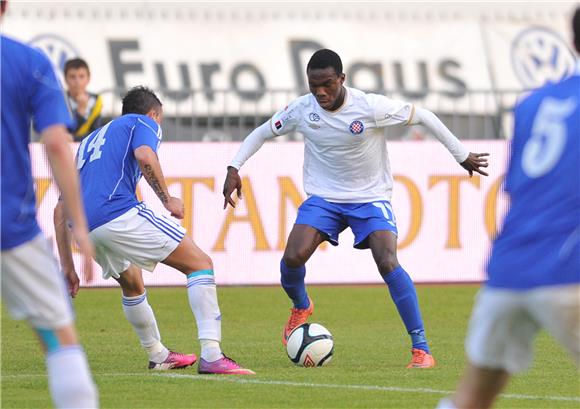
317	221
383	245
374	226
145	238
478	389
140	315
33	289
202	294
302	243
133	237
498	344
557	309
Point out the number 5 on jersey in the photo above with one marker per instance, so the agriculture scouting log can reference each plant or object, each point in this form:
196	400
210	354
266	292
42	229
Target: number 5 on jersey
94	146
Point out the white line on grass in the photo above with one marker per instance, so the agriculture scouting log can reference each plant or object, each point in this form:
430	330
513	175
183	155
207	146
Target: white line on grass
234	379
347	386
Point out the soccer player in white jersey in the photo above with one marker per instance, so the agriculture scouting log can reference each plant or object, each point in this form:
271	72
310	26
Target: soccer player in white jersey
348	181
129	236
32	285
534	269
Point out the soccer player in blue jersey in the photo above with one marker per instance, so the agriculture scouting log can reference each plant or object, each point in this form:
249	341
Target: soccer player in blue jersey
32	285
129	236
348	180
534	270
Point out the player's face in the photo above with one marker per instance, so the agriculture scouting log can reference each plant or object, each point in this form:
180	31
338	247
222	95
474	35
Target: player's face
77	80
326	86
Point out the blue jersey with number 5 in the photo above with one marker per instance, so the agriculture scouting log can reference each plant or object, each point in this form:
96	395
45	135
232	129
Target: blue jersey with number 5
108	169
539	244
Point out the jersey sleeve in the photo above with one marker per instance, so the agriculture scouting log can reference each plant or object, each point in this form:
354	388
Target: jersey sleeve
147	132
48	102
285	120
388	112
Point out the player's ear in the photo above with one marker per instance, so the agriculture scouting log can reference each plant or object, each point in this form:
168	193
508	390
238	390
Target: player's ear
341	78
156	114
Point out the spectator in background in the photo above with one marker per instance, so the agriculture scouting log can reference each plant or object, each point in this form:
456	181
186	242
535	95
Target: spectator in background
86	106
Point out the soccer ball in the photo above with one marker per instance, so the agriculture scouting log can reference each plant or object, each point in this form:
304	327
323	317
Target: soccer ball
310	345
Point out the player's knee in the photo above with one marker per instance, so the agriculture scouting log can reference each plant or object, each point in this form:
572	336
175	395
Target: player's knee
387	264
293	259
202	263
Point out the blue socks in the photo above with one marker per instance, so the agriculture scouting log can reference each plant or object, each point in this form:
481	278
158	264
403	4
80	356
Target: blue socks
405	298
292	280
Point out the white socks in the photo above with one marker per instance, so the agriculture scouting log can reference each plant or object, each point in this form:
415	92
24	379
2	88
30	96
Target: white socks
210	350
69	378
140	315
202	295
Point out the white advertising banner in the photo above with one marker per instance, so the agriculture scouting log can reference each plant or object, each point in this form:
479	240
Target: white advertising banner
445	218
231	54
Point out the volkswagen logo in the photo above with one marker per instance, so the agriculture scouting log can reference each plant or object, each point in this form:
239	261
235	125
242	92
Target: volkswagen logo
540	55
58	49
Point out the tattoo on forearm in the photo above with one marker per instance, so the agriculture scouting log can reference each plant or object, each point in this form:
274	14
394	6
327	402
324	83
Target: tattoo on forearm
154	183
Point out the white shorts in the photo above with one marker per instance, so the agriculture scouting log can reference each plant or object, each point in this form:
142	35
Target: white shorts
139	237
33	286
504	323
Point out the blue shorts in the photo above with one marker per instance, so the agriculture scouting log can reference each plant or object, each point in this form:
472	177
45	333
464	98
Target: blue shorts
332	218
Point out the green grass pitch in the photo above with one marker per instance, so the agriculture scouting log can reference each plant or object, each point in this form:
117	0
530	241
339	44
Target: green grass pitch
368	369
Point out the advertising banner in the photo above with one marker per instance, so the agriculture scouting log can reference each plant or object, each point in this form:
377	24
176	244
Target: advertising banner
236	59
445	218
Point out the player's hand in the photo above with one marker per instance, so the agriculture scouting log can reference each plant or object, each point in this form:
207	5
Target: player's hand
474	163
87	251
175	206
233	182
72	280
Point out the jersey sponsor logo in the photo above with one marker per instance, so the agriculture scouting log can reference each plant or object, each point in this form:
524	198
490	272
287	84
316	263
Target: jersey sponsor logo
278	124
356	127
314	117
540	55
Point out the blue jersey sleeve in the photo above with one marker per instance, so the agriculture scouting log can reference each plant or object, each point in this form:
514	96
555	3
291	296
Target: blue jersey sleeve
507	183
146	132
47	100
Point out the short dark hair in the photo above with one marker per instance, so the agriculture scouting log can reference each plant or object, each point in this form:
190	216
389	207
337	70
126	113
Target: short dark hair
76	63
325	58
140	100
576	28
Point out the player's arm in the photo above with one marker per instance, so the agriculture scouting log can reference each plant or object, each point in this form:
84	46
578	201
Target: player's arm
55	139
63	243
251	145
151	170
472	162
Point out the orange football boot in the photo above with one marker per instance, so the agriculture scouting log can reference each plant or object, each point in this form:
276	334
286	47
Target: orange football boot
297	318
421	359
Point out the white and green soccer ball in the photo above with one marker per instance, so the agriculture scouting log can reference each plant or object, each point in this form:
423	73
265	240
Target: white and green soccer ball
310	345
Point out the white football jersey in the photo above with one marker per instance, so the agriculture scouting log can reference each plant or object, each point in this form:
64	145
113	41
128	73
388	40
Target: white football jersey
345	152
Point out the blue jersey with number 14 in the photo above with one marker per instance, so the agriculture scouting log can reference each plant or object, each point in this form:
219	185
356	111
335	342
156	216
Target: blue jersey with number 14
108	168
539	244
